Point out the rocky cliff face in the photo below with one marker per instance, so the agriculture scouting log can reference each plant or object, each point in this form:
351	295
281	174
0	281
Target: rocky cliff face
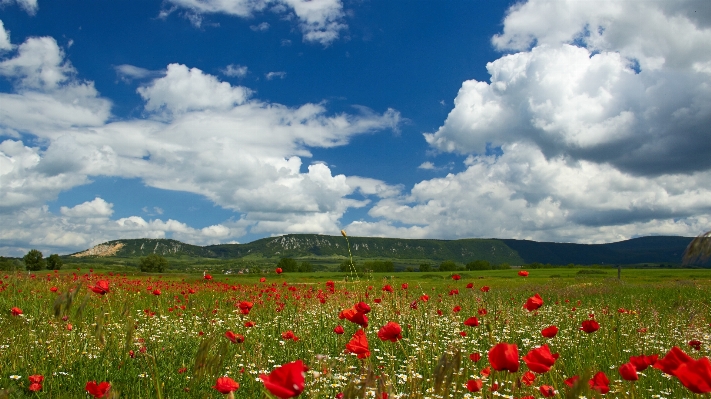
106	249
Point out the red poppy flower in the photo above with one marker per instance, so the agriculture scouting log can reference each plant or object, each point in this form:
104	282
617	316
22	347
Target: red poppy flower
547	391
540	360
156	291
101	287
475	357
572	381
590	326
695	343
470	285
456	277
549	332
527	378
207	277
693	374
338	330
362	307
354	316
97	390
474	385
225	385
457	309
404	286
485	372
600	383
628	372
289	335
262	279
533	303
484	289
249	324
425	298
36	382
641	362
504	356
390	332
523	273
359	345
235	338
278	270
388	288
245	307
471	322
16	311
53	289
286	381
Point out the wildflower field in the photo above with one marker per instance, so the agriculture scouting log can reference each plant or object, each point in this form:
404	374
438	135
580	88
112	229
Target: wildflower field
511	334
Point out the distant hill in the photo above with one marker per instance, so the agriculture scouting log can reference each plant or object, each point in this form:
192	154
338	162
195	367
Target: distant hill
658	249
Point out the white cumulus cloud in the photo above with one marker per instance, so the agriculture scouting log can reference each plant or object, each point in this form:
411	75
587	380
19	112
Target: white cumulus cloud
30	6
198	134
320	21
602	111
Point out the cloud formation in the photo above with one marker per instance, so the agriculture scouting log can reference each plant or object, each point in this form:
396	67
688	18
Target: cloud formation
4	38
30	6
603	113
198	134
320	21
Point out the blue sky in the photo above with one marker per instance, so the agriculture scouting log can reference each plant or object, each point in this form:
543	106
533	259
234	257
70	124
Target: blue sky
226	121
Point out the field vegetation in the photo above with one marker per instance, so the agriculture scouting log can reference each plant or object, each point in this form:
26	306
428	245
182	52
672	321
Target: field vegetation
173	335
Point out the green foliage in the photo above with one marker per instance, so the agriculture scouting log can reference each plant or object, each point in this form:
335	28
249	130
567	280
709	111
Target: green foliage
34	261
306	267
346	266
479	265
448	266
153	264
503	266
54	262
288	265
378	266
425	267
9	263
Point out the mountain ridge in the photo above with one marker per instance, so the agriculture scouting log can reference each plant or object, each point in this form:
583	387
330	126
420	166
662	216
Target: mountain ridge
653	249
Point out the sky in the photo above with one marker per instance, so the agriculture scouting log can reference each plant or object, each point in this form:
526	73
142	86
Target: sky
226	121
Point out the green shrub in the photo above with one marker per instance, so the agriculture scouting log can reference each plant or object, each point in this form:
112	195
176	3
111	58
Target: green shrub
153	263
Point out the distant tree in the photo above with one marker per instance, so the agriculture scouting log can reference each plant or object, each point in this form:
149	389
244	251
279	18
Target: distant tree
288	265
503	266
425	267
54	262
409	269
479	265
33	260
9	263
379	266
448	266
346	266
306	267
153	263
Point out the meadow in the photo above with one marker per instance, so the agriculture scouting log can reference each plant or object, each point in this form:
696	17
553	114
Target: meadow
174	336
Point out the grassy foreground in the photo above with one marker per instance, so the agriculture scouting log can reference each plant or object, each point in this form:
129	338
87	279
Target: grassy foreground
159	337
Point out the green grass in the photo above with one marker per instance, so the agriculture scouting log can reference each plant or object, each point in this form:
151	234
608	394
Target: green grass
671	307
